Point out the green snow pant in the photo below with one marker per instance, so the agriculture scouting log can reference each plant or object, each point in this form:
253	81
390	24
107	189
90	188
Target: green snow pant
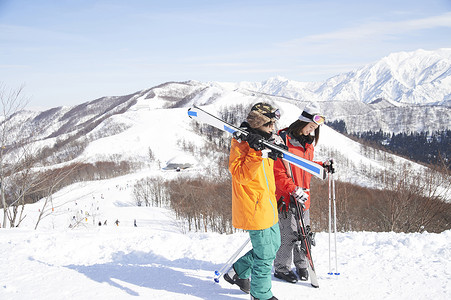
257	263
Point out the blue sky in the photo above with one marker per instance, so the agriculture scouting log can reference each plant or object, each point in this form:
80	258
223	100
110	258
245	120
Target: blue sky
67	52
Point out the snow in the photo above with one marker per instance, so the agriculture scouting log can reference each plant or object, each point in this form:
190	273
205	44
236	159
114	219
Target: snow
157	260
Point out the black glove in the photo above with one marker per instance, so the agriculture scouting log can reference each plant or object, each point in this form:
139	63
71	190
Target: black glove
238	136
328	166
255	141
275	154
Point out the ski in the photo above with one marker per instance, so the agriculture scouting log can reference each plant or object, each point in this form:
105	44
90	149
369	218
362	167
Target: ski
204	117
305	238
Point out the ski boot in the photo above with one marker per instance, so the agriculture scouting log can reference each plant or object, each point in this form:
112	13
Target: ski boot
303	274
287	276
232	278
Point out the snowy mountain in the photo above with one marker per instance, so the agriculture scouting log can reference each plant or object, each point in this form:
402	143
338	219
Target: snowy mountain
158	259
125	129
420	77
405	78
395	94
403	92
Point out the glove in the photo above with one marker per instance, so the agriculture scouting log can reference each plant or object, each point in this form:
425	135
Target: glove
299	195
275	154
238	136
255	141
328	166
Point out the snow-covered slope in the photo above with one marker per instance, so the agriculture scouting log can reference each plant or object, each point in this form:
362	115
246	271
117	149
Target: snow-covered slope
162	131
156	260
126	128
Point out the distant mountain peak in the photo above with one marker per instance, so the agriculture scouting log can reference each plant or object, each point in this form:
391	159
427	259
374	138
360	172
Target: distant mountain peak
417	77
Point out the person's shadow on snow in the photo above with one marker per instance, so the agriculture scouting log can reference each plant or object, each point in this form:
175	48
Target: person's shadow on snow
156	272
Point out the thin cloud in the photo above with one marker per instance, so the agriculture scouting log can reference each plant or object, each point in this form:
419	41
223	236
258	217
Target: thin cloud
378	29
30	34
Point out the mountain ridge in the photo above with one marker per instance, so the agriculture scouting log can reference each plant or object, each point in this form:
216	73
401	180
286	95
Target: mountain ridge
65	131
418	77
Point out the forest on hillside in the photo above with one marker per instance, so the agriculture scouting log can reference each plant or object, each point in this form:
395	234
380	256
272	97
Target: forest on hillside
426	147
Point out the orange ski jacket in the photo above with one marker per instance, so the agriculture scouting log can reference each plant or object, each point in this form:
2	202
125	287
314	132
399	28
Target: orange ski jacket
254	205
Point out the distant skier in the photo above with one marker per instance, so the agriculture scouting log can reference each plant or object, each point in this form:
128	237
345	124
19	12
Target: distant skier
295	182
117	222
134	223
73	222
254	205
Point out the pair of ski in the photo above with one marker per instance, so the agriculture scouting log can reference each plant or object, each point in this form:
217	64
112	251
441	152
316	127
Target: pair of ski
313	168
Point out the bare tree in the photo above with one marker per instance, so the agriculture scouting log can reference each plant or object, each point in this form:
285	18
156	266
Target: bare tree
151	155
11	155
23	182
50	184
413	200
19	183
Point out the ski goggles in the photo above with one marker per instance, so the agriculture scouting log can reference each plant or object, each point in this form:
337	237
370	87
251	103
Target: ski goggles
267	110
317	119
273	115
270	123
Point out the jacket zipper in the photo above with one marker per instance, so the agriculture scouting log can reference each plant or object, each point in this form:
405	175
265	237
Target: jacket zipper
267	185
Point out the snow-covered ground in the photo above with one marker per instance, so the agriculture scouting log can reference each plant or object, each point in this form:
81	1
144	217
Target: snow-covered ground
156	260
159	260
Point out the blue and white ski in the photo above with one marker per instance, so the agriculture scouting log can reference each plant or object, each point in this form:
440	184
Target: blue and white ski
202	116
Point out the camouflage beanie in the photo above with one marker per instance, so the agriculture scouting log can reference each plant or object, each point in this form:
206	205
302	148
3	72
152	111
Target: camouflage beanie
259	115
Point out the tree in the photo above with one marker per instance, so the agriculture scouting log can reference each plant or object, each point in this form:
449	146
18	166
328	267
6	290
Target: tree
414	199
13	157
51	182
19	182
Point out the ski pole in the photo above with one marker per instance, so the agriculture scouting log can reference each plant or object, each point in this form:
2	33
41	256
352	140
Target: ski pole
335	224
226	267
330	224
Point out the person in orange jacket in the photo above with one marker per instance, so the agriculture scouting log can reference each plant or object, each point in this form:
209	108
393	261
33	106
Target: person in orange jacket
254	204
300	138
